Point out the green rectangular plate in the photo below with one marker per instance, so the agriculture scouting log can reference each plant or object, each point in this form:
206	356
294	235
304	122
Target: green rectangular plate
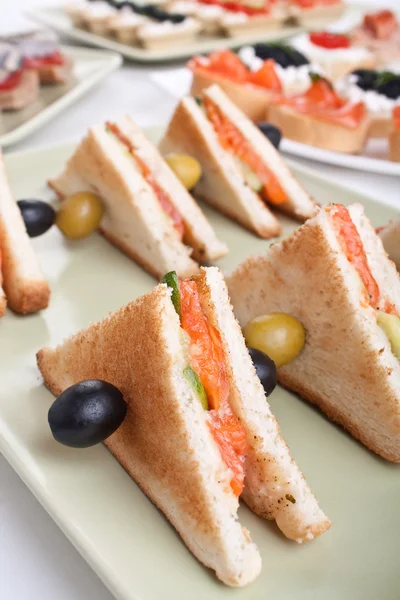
126	540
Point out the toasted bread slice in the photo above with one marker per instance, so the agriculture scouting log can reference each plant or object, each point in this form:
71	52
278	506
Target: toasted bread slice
3	299
164	442
299	204
390	236
253	100
134	220
316	132
23	282
223	184
347	366
272	476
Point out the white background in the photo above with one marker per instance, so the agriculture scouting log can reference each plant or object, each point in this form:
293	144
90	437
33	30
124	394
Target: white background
36	561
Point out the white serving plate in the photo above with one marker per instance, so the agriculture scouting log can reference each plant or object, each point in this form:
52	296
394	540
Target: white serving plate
56	18
371	161
374	157
90	67
114	526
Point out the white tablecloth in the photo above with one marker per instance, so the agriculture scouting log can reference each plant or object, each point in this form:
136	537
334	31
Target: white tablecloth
36	561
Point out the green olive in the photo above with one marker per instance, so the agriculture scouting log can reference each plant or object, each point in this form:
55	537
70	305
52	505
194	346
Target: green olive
391	326
279	335
80	215
186	168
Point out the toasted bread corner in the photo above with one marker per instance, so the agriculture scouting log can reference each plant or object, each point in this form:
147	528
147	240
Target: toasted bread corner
23	282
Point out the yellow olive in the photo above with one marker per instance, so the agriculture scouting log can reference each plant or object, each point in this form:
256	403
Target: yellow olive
80	215
186	168
391	326
279	335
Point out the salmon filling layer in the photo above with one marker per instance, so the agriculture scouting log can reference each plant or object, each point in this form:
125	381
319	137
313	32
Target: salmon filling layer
208	361
234	142
229	66
162	196
321	102
352	246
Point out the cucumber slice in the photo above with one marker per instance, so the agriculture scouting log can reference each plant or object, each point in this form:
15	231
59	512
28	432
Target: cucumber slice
250	177
252	180
391	326
172	281
197	386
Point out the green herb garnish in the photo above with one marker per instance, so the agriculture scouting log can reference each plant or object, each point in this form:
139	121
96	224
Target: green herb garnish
315	77
384	77
172	281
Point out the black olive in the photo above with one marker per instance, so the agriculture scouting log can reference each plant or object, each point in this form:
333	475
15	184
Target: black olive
298	59
176	18
155	12
366	78
87	413
390	88
284	55
139	10
277	53
271	132
38	216
265	369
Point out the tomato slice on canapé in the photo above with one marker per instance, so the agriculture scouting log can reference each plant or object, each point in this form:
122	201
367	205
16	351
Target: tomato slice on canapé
330	41
321	102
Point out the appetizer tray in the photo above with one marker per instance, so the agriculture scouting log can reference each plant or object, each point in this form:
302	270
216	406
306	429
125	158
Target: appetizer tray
102	511
90	67
57	19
